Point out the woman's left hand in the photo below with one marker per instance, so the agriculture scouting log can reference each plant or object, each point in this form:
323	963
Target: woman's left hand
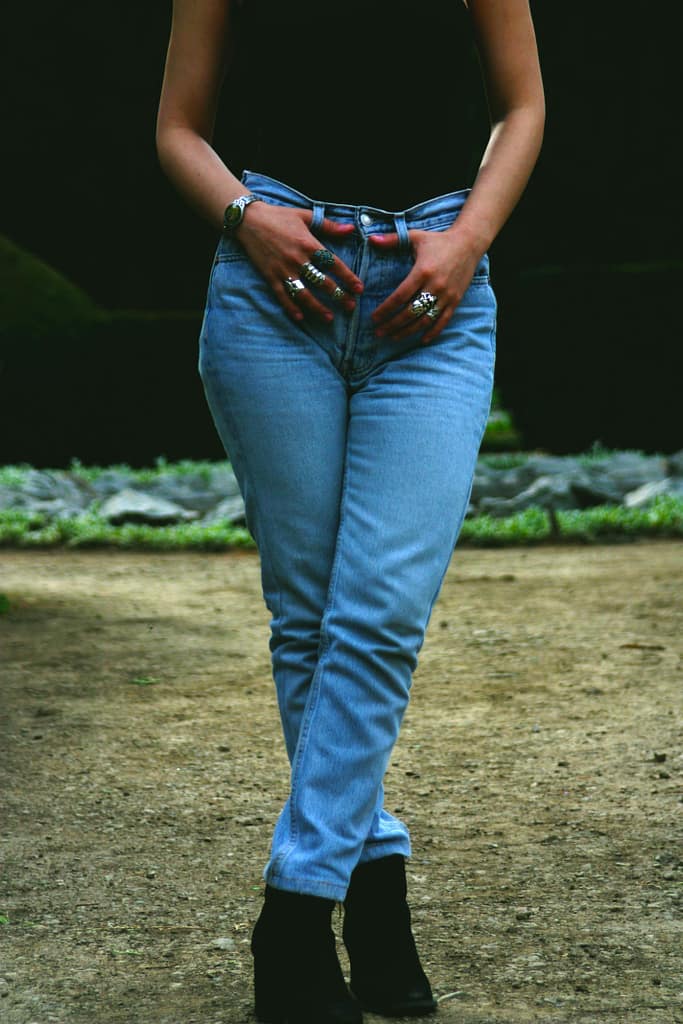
444	265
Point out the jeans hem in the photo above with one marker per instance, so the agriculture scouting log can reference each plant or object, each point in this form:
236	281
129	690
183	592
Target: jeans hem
307	886
377	850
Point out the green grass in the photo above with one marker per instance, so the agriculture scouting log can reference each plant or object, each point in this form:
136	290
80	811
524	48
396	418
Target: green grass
663	518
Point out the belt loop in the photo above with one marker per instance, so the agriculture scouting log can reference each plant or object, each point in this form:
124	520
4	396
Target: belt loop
318	217
402	231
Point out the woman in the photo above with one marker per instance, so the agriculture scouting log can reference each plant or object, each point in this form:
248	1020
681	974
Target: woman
347	355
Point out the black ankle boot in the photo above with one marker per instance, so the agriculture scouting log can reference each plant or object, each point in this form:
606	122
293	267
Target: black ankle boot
297	976
386	974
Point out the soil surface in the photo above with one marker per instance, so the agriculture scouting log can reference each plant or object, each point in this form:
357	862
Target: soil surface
539	769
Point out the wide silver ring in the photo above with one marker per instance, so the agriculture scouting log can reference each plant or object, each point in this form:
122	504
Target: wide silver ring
433	313
323	257
312	274
422	303
339	294
294	286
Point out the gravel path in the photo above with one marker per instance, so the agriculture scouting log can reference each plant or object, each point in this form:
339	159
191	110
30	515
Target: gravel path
539	768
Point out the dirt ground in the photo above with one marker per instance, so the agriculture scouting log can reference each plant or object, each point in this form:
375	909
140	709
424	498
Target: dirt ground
539	769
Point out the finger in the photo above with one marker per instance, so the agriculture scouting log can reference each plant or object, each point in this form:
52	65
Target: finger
327	284
290	307
333	227
438	325
397	300
388	241
345	276
303	304
407	322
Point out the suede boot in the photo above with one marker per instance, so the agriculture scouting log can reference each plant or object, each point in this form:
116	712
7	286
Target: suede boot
386	974
297	976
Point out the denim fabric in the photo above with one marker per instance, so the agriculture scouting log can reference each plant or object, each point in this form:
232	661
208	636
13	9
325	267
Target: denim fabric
355	456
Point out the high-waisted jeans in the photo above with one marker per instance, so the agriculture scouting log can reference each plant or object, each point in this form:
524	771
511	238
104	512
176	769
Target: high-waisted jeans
355	456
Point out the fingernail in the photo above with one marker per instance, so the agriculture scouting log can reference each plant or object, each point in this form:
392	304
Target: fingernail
329	316
358	287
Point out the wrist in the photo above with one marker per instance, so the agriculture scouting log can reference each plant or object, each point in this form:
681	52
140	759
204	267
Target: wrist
473	237
234	213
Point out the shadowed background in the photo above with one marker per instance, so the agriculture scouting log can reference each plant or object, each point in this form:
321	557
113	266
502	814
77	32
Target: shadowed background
587	271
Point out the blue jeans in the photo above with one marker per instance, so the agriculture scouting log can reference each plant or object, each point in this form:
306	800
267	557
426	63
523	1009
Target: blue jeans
355	456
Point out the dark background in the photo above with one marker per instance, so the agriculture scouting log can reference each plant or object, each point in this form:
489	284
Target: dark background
588	271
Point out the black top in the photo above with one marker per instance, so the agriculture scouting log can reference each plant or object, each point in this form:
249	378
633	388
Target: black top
371	102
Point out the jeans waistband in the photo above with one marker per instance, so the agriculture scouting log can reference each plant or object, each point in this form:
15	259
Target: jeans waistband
369	220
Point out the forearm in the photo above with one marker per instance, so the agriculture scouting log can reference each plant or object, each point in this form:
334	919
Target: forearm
198	173
505	169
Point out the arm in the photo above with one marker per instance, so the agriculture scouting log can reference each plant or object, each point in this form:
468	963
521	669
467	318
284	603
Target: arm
507	47
196	61
445	261
276	238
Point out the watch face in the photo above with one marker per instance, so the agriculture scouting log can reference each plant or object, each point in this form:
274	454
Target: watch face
233	215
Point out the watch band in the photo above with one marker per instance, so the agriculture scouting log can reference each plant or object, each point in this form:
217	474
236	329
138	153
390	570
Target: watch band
234	212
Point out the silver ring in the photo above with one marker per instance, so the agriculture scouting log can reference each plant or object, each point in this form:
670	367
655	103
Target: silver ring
324	257
422	303
294	286
338	294
433	313
312	274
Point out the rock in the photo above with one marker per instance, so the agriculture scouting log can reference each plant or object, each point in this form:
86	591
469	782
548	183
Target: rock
111	481
547	492
10	497
595	489
647	493
223	943
223	481
131	506
45	486
628	470
230	509
184	492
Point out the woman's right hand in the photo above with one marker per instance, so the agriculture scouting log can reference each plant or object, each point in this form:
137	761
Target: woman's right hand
278	241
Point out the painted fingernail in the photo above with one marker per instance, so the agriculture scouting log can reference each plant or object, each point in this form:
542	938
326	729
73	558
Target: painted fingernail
358	287
329	316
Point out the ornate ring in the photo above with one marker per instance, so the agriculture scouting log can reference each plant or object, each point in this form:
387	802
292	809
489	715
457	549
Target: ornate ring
422	303
433	313
339	294
323	257
312	274
294	286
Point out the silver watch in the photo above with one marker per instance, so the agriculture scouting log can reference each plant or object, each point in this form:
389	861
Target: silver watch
234	212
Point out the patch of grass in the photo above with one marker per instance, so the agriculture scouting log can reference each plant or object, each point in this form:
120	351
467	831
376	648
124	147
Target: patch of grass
663	518
20	528
4	604
4	919
503	460
144	680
